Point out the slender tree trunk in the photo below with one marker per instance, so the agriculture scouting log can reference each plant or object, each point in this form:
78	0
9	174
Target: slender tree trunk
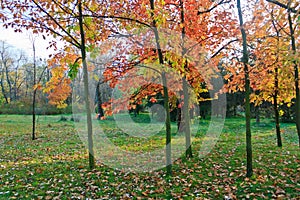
34	91
186	118
186	113
276	91
178	118
166	95
86	91
247	93
279	142
277	125
168	126
27	86
296	75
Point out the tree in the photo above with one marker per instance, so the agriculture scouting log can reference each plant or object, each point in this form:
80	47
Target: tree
245	60
35	85
276	84
292	18
86	87
35	89
274	43
194	25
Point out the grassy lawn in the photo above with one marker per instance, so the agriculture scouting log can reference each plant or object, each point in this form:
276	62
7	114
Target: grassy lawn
55	166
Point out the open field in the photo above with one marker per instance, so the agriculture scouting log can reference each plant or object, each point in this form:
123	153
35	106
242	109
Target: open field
55	166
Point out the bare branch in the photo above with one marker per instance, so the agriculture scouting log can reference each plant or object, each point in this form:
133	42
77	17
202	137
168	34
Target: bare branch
223	47
118	17
57	23
210	9
293	10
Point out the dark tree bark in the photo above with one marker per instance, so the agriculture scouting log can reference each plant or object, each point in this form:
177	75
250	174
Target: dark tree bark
247	93
178	119
34	91
99	102
276	91
278	134
186	112
86	90
186	117
166	95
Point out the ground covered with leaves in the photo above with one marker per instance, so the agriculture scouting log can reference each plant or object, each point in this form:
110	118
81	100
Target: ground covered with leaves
55	166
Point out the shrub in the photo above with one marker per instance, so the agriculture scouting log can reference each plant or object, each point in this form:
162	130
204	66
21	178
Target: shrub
25	108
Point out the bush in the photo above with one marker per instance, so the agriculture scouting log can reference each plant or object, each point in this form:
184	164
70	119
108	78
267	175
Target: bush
25	108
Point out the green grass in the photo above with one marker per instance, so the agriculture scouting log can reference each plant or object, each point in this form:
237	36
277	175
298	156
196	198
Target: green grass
55	165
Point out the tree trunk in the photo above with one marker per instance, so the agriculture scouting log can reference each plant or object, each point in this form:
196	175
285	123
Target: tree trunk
99	102
186	113
168	126
247	93
186	118
86	91
276	91
166	95
34	91
178	118
279	142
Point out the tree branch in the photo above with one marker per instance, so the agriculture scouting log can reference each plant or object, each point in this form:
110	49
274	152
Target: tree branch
118	17
210	9
57	23
293	10
223	47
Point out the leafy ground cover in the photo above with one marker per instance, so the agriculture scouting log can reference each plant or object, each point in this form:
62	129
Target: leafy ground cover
55	166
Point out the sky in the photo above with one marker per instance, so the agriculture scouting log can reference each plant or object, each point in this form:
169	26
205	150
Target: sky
22	41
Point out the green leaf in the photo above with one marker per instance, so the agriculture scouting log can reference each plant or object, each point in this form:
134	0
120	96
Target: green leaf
73	70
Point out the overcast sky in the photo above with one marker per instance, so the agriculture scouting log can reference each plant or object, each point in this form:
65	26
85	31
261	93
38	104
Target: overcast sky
22	41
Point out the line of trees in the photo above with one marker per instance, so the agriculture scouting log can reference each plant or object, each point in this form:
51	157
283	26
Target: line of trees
257	57
17	82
